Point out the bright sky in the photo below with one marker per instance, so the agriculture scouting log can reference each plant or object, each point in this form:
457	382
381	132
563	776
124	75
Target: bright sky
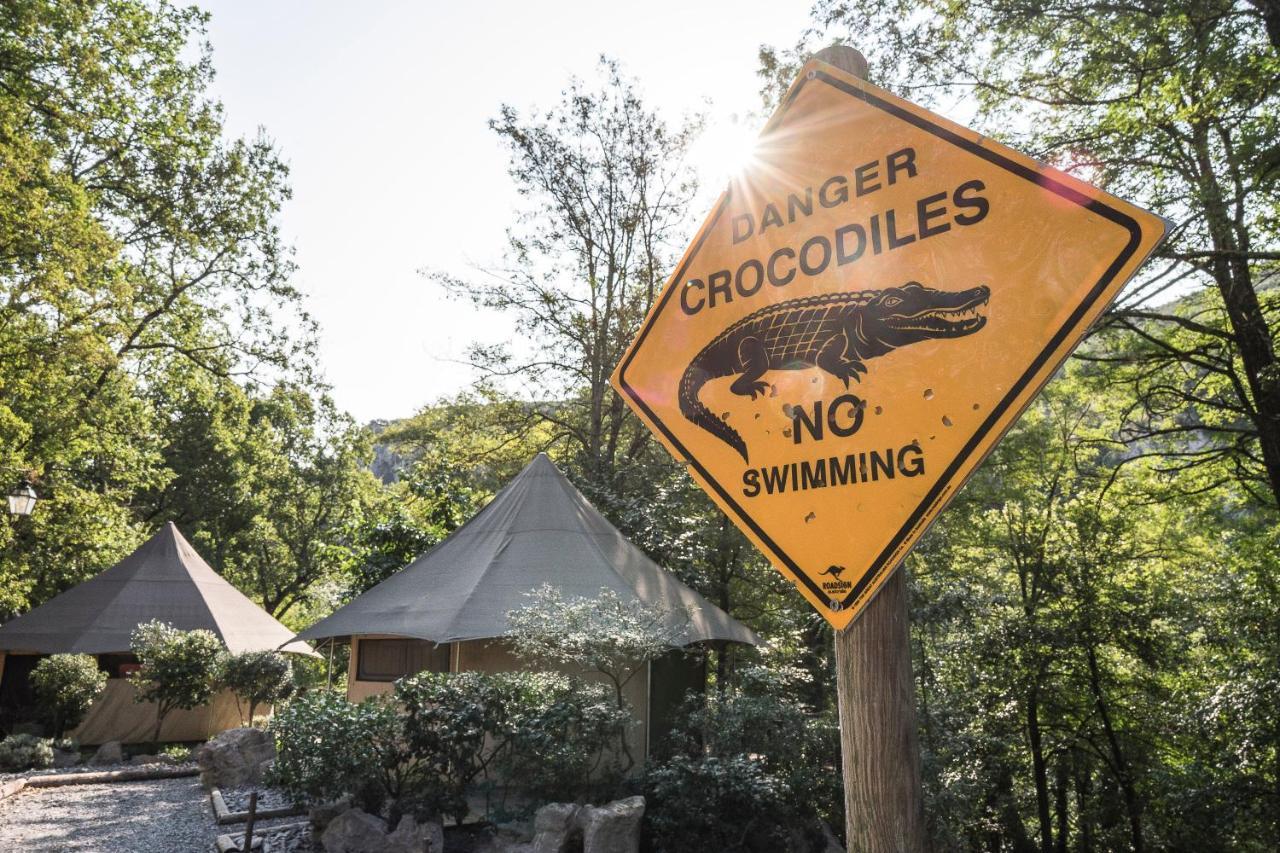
381	109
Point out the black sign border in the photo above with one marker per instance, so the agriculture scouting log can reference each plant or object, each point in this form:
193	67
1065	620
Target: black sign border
880	564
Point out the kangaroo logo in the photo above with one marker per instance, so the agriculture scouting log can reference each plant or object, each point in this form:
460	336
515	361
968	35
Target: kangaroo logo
836	333
834	571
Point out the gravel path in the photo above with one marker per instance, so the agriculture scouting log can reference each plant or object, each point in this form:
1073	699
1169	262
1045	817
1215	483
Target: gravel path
158	816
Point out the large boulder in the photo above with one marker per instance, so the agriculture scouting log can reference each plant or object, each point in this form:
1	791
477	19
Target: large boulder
552	827
612	828
356	831
109	753
413	837
235	758
321	814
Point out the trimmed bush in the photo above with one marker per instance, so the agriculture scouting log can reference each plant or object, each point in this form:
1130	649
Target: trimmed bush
259	678
25	752
327	747
179	668
66	687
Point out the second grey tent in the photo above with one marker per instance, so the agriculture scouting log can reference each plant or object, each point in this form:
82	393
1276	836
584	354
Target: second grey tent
166	580
447	610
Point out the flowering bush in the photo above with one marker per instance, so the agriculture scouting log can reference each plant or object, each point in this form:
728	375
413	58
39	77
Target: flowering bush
66	687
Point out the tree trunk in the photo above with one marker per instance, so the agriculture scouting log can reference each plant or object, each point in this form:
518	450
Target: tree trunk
1083	792
1041	772
1062	779
883	801
1230	269
1124	776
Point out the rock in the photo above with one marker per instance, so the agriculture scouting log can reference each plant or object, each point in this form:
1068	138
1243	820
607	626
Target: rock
66	757
354	831
109	753
146	759
320	815
552	827
235	758
612	828
413	837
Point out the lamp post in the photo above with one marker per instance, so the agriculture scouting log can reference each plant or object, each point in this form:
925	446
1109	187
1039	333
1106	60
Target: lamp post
22	499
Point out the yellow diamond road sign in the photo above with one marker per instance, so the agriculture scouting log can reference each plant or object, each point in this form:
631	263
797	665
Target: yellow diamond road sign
865	312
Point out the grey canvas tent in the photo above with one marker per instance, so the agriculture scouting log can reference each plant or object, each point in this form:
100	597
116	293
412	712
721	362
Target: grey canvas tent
447	610
538	530
163	579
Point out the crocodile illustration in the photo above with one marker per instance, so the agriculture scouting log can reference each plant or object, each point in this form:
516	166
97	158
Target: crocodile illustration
834	571
836	333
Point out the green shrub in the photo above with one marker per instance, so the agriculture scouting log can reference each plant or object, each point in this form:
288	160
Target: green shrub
25	752
712	803
543	733
440	736
605	634
179	668
327	747
66	687
558	742
259	678
459	725
792	753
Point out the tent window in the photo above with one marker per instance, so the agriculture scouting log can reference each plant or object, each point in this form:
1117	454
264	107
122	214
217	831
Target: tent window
387	660
117	666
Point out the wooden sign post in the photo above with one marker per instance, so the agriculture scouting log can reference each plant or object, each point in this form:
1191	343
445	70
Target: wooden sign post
875	688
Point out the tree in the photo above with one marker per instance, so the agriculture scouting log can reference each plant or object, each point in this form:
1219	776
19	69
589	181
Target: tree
140	249
607	195
179	668
66	687
260	678
604	635
1174	105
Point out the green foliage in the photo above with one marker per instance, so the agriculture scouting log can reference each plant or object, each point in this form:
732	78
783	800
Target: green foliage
25	752
605	189
605	635
744	743
328	748
66	687
143	284
713	803
558	735
259	678
179	668
545	732
442	736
